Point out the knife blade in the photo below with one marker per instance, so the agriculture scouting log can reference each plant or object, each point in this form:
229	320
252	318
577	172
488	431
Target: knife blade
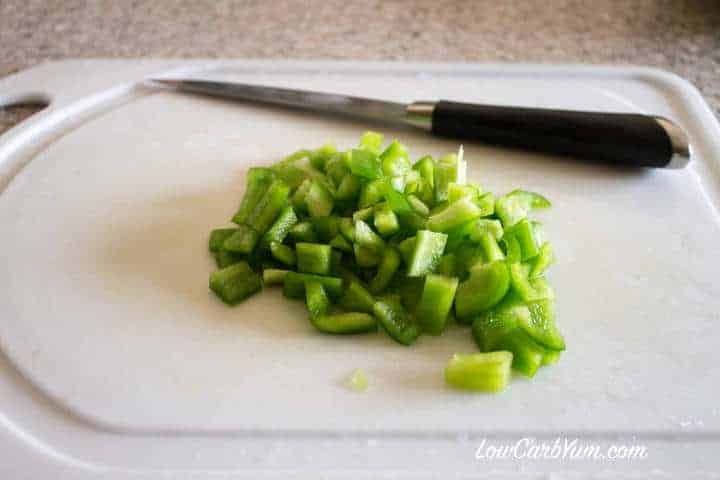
628	139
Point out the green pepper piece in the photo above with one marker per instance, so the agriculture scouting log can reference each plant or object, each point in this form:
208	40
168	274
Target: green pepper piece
336	167
345	323
282	226
347	229
365	237
372	141
551	357
273	276
303	232
223	258
454	215
426	167
269	206
524	234
529	289
492	326
316	299
364	214
294	284
512	249
385	220
516	205
406	248
235	283
418	205
457	191
396	322
349	187
435	303
540	325
320	157
218	237
319	201
283	253
242	241
372	193
498	330
429	247
258	181
490	247
484	225
396	200
487	285
313	258
483	372
388	266
527	355
341	244
446	170
357	298
365	163
326	228
544	259
366	257
298	198
395	160
447	265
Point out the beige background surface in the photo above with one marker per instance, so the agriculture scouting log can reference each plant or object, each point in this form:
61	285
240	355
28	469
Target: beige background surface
679	35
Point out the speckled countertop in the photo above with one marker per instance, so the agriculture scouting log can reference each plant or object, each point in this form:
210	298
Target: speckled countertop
679	35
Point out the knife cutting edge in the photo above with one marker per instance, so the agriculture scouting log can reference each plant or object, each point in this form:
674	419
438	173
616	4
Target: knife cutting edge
618	138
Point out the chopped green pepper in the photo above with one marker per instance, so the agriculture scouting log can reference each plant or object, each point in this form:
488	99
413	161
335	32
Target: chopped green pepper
313	258
484	372
396	322
435	303
428	249
235	283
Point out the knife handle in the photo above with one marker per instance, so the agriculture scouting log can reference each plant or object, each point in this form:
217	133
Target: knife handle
618	138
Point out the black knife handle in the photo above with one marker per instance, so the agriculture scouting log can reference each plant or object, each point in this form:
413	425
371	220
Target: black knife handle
618	138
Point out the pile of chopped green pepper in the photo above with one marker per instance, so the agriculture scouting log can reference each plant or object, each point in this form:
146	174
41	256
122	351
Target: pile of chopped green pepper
368	238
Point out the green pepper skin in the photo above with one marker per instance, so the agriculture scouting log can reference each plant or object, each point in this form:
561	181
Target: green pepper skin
341	244
283	253
540	325
242	241
429	247
223	258
544	259
319	200
454	215
366	164
396	322
435	303
480	372
303	232
282	226
218	237
258	181
388	266
274	276
357	298
346	323
487	285
235	283
516	205
313	258
294	284
523	231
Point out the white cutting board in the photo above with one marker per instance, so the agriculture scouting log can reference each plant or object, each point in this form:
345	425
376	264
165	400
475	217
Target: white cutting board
105	311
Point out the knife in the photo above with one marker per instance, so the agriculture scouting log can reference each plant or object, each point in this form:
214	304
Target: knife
629	139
